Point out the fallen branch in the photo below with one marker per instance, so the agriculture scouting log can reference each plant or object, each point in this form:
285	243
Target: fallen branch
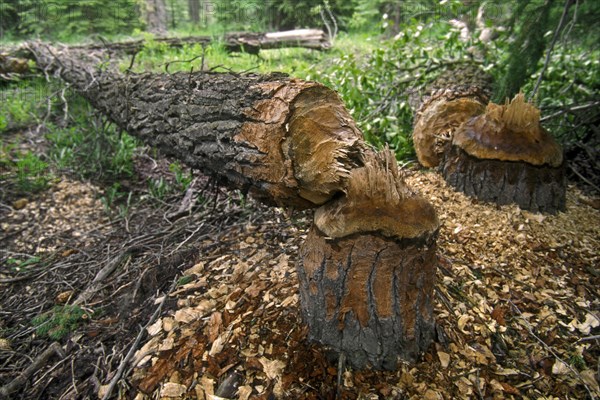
584	339
571	109
102	275
563	18
23	377
583	178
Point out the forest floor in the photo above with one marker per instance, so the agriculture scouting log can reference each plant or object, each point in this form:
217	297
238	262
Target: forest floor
169	301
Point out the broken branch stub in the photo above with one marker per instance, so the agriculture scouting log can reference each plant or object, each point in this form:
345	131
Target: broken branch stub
368	267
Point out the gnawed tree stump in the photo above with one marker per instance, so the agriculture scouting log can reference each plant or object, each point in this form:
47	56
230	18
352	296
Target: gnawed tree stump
495	153
369	263
504	156
286	141
368	269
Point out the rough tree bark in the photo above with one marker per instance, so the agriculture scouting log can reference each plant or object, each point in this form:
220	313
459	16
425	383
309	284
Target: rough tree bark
368	269
11	67
368	265
286	141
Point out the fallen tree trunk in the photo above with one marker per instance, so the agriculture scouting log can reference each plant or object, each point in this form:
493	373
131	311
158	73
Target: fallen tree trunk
249	42
455	96
14	62
12	67
368	265
286	141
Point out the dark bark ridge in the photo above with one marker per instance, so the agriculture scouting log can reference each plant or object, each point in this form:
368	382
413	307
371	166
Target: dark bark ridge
531	187
369	297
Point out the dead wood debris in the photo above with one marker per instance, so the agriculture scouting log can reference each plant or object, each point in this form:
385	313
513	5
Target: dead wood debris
39	362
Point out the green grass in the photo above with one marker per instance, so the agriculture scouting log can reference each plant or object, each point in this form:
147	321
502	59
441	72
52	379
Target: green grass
22	172
22	266
23	103
92	150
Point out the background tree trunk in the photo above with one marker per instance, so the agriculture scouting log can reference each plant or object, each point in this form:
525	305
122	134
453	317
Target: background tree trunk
156	16
194	11
503	155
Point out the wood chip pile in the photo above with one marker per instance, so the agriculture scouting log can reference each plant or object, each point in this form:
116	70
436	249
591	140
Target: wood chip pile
517	309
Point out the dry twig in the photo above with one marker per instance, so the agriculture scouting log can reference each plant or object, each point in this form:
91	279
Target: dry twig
24	376
137	341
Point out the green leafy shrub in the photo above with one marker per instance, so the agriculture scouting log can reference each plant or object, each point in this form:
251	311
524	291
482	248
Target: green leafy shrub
22	172
22	104
92	148
158	188
32	173
570	80
376	88
183	178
